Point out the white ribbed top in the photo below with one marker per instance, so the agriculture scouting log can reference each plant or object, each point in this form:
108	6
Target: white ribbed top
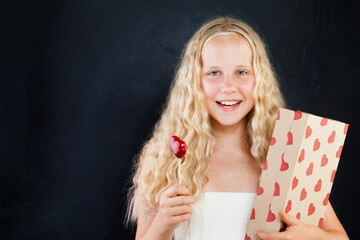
218	215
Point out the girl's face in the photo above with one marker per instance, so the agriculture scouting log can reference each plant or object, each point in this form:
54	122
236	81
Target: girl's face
228	78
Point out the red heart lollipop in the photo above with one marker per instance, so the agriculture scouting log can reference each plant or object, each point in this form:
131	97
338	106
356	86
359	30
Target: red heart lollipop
179	149
178	146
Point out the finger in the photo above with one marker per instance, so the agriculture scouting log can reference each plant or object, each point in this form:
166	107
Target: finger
176	190
288	219
180	218
270	235
180	200
180	210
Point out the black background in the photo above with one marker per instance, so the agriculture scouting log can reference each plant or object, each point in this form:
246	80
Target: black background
82	83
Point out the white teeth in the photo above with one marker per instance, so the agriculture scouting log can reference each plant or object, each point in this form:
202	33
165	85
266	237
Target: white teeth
228	103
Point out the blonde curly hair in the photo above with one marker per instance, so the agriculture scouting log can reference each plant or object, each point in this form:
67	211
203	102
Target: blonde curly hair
185	116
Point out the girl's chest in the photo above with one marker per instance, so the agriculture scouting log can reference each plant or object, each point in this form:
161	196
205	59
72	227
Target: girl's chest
234	175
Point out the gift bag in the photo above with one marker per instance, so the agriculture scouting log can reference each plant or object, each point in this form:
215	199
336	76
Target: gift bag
299	170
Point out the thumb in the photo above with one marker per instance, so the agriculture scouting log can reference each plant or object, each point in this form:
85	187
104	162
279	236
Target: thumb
288	219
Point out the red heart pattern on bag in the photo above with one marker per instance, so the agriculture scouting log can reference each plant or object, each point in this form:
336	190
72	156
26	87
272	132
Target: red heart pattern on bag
303	194
308	132
311	209
338	153
324	160
302	156
290	138
271	216
320	222
295	182
310	169
323	122
297	115
288	206
284	165
252	214
326	199
331	138
316	145
277	189
272	141
317	187
332	176
265	165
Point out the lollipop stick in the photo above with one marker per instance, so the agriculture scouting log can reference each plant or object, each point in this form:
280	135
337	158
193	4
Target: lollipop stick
179	171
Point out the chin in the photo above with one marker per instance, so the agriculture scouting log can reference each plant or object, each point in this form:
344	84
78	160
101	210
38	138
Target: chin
228	122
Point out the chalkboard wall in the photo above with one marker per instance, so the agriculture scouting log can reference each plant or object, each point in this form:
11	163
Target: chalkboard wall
82	84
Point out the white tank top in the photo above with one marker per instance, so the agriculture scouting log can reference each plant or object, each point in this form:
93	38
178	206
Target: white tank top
218	215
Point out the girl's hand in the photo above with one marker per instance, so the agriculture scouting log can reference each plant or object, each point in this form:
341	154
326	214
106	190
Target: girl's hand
175	207
295	229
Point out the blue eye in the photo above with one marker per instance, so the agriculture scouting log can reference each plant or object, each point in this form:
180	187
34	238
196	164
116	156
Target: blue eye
211	73
241	72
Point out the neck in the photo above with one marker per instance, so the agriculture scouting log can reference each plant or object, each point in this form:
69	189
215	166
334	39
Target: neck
230	137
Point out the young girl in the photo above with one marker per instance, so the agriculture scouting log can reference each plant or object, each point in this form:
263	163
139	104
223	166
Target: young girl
223	103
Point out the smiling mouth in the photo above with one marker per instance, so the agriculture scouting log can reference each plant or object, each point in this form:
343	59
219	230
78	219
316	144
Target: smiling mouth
228	104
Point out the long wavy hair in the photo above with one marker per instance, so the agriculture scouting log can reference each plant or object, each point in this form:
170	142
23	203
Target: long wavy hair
185	115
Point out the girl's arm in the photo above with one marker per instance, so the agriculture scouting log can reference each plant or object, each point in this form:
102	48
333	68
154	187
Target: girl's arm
150	229
331	228
332	224
174	208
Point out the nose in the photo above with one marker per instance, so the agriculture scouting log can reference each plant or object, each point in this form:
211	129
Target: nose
228	84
